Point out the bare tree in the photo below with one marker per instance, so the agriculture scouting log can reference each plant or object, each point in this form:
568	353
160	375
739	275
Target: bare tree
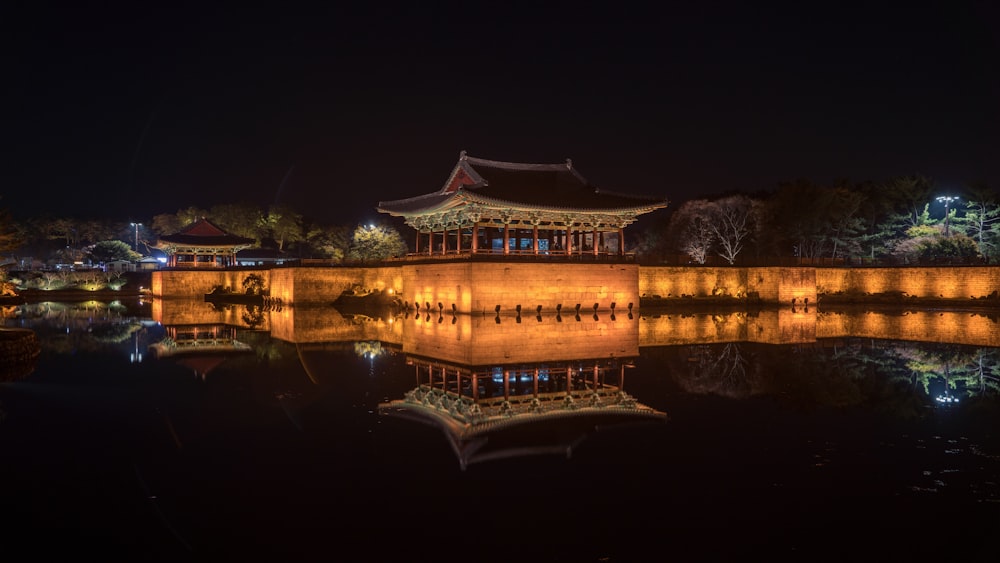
691	228
733	221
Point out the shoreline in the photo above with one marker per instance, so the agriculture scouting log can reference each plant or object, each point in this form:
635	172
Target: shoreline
68	295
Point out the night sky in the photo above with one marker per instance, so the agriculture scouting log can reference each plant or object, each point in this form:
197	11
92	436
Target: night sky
126	112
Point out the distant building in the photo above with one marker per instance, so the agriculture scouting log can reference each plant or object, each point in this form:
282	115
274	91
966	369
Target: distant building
119	266
510	208
148	263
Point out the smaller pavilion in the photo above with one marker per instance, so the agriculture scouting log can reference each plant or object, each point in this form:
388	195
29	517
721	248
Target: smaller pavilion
489	207
202	244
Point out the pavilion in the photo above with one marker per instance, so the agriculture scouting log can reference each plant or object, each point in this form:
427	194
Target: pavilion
202	244
489	207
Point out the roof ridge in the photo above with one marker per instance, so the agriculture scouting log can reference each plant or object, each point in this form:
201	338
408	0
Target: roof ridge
432	195
568	165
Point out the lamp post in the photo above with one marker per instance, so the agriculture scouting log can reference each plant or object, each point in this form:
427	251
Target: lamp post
136	225
947	199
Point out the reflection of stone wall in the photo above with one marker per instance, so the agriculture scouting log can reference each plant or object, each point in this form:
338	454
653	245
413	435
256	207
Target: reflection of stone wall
788	326
956	327
479	340
307	325
195	311
954	283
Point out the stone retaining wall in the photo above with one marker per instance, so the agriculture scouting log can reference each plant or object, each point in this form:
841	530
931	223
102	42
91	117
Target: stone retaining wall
474	287
973	282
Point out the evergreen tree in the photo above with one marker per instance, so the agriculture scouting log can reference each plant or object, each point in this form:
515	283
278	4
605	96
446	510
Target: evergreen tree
111	250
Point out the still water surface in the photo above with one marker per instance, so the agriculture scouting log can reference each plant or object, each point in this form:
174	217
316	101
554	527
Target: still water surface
172	431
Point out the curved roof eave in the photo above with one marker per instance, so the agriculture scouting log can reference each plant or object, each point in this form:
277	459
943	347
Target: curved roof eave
497	202
421	205
437	203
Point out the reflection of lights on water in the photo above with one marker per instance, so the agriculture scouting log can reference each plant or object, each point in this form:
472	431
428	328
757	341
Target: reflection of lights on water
514	377
946	399
136	356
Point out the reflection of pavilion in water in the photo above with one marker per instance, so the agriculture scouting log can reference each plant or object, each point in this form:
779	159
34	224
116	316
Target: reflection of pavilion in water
510	389
200	347
499	411
496	389
204	335
504	385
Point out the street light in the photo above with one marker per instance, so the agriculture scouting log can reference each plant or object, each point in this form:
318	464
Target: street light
137	225
947	199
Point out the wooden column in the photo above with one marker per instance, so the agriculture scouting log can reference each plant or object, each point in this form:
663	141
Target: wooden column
475	237
506	239
534	233
621	241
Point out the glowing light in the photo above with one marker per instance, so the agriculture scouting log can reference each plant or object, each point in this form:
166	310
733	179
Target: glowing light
947	199
136	225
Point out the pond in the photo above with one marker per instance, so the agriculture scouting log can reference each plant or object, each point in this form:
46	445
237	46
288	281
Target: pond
184	430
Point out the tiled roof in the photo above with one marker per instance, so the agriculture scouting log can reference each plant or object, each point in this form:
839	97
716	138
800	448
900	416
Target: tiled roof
205	233
550	186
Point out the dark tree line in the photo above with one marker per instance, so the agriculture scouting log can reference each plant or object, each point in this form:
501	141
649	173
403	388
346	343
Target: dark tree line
899	221
64	240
